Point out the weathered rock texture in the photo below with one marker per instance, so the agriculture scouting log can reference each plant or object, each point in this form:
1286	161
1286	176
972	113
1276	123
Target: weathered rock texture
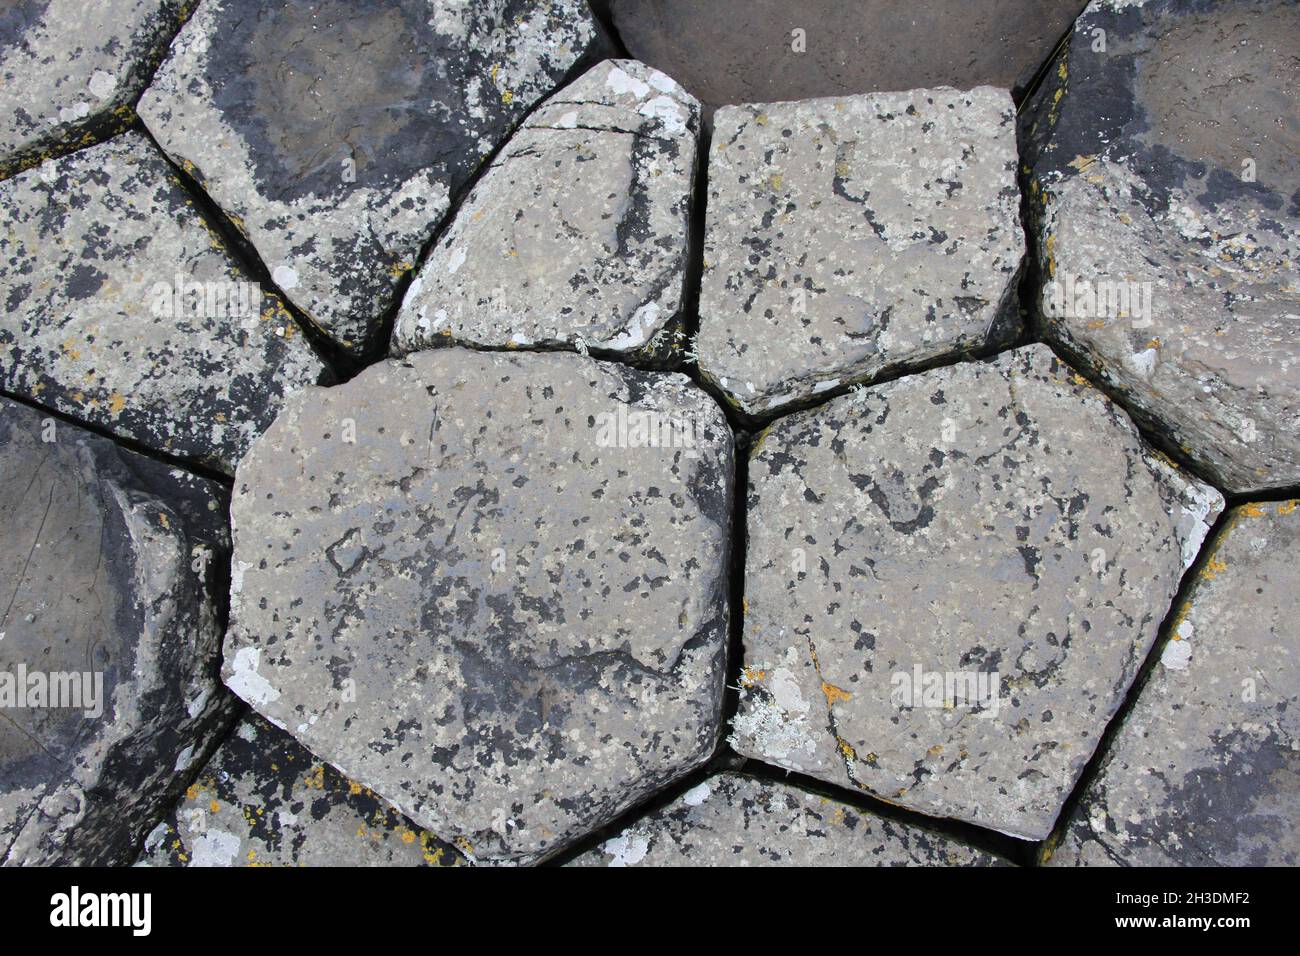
577	236
100	558
1206	769
467	580
124	308
734	820
334	132
1001	519
850	237
70	70
264	800
1164	169
748	51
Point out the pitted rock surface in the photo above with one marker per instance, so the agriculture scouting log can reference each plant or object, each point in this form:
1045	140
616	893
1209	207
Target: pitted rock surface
852	237
100	558
1206	768
735	820
470	582
999	522
762	51
577	235
335	132
265	800
126	310
1165	169
70	70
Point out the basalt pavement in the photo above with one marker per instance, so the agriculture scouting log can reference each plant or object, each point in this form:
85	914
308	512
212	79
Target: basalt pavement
439	433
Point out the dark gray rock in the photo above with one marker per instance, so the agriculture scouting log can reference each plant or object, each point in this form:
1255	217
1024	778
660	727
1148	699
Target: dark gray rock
951	581
1206	768
112	566
734	820
70	71
126	310
1165	190
847	238
489	586
577	235
264	800
746	51
335	132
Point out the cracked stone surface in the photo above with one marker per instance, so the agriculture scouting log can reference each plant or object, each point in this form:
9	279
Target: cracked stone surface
70	70
1001	519
472	583
125	309
1165	168
265	800
103	609
851	237
735	820
747	51
334	132
577	235
1205	770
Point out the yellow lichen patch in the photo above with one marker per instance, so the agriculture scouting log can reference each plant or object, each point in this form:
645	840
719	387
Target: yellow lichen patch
507	96
214	807
846	748
1213	567
750	676
315	778
116	403
399	269
192	793
406	835
777	180
744	605
1081	162
354	788
834	694
1287	507
935	750
761	119
70	349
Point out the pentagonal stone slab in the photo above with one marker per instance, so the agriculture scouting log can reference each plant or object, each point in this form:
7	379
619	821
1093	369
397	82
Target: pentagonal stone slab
761	51
850	237
125	309
1166	194
951	582
109	637
70	70
265	800
1204	770
490	587
735	820
577	235
334	132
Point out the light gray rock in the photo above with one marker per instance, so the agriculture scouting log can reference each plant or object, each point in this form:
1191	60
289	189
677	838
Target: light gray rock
109	693
734	820
335	132
951	581
851	237
577	235
70	70
1205	770
126	310
1166	201
264	800
470	582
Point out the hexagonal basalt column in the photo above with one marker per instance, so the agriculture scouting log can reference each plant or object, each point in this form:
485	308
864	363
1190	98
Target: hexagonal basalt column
847	238
1166	199
127	311
735	820
1204	770
577	235
334	133
70	70
951	580
490	587
109	640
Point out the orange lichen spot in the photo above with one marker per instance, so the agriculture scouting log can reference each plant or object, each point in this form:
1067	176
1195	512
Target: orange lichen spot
1288	507
354	788
214	806
408	836
1253	511
1213	567
116	403
192	793
834	694
751	676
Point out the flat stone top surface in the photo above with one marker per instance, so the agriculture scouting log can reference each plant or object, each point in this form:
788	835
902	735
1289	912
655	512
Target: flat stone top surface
334	132
846	237
759	51
577	236
125	309
69	65
1205	770
735	820
467	580
996	522
265	800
